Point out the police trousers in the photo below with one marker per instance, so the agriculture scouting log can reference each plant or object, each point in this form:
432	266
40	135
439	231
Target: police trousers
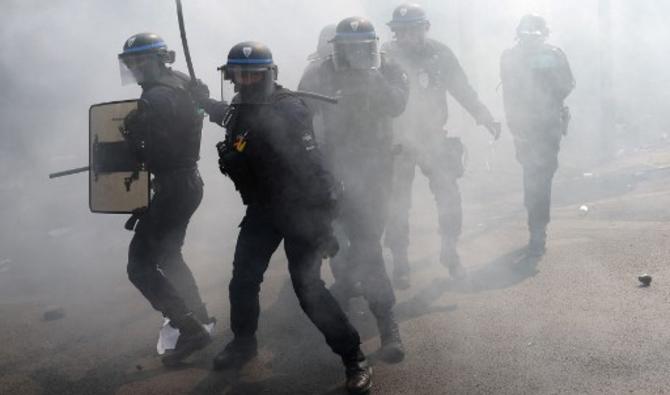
155	262
442	164
537	152
260	235
359	268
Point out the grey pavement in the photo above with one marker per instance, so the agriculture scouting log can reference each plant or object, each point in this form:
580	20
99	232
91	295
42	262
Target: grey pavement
575	321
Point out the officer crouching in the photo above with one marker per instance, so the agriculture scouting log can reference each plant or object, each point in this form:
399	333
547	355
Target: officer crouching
270	154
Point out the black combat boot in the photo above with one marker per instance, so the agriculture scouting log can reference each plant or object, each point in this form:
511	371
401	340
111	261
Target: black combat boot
392	350
401	271
359	373
192	337
236	353
449	257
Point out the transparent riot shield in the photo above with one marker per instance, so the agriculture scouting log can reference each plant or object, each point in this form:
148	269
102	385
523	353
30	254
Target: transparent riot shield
118	182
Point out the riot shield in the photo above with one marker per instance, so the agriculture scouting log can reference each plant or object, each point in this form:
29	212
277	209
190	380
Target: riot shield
118	182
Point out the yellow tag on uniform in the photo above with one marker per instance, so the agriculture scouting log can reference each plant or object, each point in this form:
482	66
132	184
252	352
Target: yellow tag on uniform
240	143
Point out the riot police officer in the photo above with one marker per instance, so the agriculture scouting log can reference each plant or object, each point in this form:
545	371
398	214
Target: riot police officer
323	51
271	156
536	79
433	70
358	144
165	131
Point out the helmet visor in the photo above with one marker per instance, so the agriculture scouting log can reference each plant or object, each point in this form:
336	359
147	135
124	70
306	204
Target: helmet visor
410	34
356	55
242	74
136	69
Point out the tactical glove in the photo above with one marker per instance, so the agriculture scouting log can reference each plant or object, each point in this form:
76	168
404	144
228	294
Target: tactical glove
494	128
199	92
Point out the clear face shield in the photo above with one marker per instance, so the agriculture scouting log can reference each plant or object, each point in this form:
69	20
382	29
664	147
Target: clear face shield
254	85
412	36
136	69
531	37
357	55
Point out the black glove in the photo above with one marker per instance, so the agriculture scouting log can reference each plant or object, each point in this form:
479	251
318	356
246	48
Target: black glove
217	111
199	93
494	128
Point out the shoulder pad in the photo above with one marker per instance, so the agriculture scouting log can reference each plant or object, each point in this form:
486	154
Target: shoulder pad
436	46
175	79
556	50
280	94
287	98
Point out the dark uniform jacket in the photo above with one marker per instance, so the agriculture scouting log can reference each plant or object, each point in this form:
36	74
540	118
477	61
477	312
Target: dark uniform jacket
433	71
535	83
169	123
358	130
271	156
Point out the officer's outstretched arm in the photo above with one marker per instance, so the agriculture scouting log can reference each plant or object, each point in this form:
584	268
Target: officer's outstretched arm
459	87
214	108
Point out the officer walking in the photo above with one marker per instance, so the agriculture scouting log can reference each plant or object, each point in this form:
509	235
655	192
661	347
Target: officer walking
165	133
271	156
536	79
358	145
433	70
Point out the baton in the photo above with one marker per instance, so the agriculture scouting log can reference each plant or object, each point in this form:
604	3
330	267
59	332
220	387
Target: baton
184	42
69	172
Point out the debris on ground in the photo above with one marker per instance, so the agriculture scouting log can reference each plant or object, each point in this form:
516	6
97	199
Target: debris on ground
645	279
583	209
54	314
139	367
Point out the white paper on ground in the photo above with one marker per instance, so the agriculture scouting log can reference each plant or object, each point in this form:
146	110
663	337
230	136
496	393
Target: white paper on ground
168	336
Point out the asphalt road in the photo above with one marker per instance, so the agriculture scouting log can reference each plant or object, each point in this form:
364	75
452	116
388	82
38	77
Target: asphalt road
575	321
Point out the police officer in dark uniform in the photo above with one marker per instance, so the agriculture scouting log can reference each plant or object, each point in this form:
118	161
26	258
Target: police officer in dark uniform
358	145
433	70
323	51
165	132
536	79
271	156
